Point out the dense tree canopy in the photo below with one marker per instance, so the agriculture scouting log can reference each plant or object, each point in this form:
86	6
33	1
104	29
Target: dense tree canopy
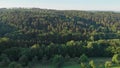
40	32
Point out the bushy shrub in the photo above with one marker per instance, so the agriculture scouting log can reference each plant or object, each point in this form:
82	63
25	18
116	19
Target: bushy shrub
91	64
4	60
23	60
67	58
82	65
14	65
83	58
44	59
35	59
108	64
58	60
116	59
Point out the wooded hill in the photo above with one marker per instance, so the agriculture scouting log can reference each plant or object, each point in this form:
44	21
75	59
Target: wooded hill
45	33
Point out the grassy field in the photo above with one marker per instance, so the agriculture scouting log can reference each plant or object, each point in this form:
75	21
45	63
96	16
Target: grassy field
99	62
69	66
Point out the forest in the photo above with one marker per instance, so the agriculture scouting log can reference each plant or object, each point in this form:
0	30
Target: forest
58	38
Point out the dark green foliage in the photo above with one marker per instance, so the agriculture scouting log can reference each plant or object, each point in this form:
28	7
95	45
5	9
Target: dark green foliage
30	65
4	60
35	60
44	59
83	58
14	65
58	60
67	58
23	60
13	53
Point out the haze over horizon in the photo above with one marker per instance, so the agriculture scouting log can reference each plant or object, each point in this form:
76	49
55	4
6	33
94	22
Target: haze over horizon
102	5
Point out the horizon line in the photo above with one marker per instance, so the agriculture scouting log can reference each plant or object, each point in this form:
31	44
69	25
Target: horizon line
60	9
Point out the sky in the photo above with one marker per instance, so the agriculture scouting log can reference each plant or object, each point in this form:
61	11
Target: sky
103	5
